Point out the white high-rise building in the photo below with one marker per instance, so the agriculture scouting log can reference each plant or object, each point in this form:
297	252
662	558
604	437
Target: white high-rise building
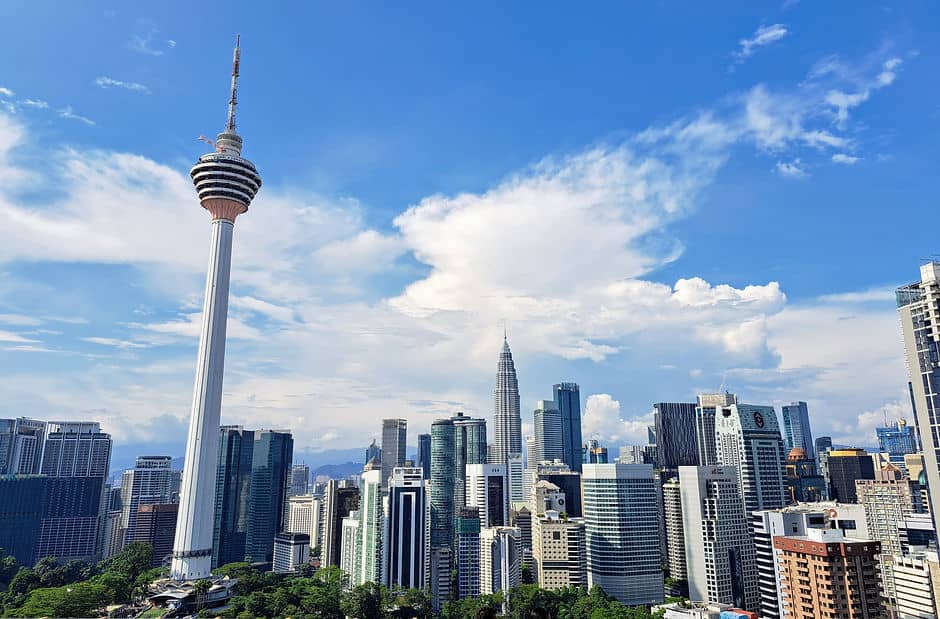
150	481
719	552
622	532
291	551
919	309
747	437
21	442
500	559
368	562
675	536
226	183
305	515
487	490
349	546
515	474
917	577
559	553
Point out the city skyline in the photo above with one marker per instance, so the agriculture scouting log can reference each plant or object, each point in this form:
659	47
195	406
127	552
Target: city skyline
412	345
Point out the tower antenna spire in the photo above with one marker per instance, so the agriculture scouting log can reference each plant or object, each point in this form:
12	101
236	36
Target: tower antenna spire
233	101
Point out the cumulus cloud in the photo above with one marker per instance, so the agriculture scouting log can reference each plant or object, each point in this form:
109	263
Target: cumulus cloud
602	420
791	169
844	159
6	92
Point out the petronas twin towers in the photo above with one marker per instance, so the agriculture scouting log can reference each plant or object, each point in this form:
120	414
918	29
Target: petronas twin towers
507	416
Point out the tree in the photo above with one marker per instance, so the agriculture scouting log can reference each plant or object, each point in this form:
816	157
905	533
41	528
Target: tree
76	600
8	569
412	604
366	601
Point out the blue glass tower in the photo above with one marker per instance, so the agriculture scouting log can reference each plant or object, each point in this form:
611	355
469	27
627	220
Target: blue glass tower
897	440
796	428
568	402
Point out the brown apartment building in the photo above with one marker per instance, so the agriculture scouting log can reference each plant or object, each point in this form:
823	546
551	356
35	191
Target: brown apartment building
825	575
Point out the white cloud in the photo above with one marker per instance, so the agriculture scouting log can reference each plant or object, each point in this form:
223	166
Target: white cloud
602	420
791	169
6	92
763	36
114	342
19	320
110	82
148	44
35	103
845	159
68	113
9	336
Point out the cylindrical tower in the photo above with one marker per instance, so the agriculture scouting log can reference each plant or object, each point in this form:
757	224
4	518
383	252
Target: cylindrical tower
226	184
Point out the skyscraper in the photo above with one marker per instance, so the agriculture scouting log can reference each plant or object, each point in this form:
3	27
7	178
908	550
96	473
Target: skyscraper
500	559
797	429
394	437
549	437
719	552
150	481
674	424
507	418
406	530
367	564
846	466
803	482
339	501
919	307
76	458
304	515
424	454
442	483
156	525
487	490
622	532
373	452
675	536
469	448
299	479
558	551
21	442
708	404
468	552
747	437
232	494
897	440
20	515
273	451
226	184
568	401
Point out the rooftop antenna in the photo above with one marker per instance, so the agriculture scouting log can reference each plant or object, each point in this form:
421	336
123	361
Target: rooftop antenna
233	101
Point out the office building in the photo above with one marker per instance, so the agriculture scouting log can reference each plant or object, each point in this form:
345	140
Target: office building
705	411
559	552
917	577
622	532
112	535
468	552
897	440
823	444
440	576
488	491
226	184
720	561
156	525
367	566
803	483
21	442
846	466
76	459
547	497
394	437
407	531
549	442
21	512
829	576
232	494
349	549
674	429
339	501
500	559
469	448
747	437
507	417
520	517
150	481
568	402
596	453
675	535
291	551
566	480
299	480
424	454
515	474
273	451
373	452
797	429
304	515
443	463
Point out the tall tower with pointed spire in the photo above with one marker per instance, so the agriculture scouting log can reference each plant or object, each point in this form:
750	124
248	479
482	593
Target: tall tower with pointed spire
507	417
226	183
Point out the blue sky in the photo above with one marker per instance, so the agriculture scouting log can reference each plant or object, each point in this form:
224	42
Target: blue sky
658	199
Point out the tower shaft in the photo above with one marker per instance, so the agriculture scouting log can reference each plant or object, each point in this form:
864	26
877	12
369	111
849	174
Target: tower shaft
192	548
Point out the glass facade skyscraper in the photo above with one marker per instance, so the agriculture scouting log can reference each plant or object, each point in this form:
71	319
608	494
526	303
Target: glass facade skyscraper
897	441
270	468
507	417
394	438
568	402
549	432
469	448
21	442
674	424
20	515
443	462
424	454
797	429
232	495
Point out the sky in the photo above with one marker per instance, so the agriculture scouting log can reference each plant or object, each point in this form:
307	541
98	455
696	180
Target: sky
655	199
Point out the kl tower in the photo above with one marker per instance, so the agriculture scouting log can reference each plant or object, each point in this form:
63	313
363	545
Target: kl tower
226	183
